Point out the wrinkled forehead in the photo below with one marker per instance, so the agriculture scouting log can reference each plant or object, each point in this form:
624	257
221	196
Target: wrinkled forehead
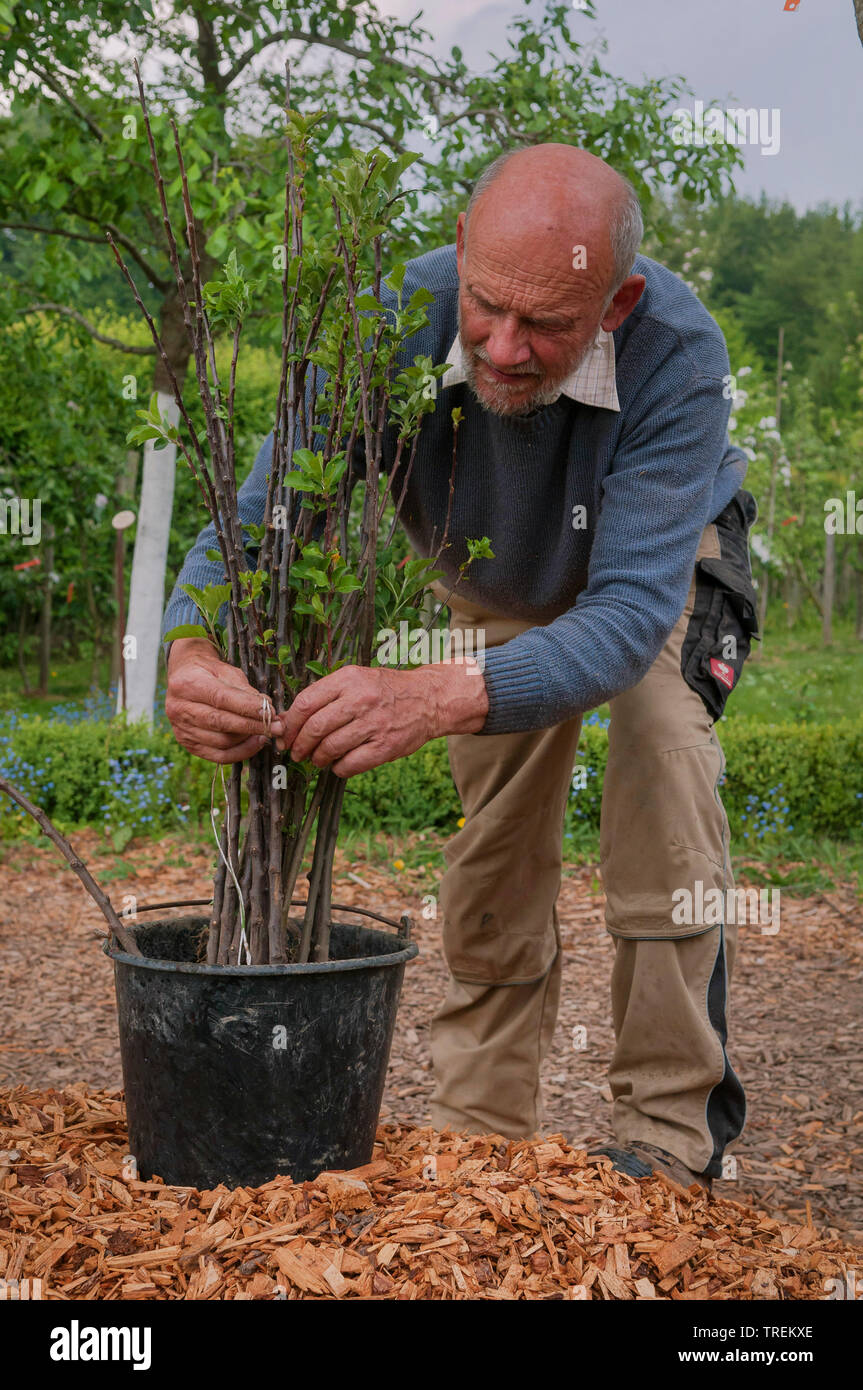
531	281
539	246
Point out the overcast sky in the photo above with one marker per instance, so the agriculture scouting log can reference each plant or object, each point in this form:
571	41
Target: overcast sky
808	63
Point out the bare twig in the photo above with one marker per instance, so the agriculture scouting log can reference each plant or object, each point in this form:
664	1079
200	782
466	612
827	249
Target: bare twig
126	940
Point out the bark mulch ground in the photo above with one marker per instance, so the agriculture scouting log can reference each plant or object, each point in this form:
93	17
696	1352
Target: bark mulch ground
794	1041
433	1216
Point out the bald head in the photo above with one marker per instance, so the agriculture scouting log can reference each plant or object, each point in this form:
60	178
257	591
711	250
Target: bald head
559	194
553	235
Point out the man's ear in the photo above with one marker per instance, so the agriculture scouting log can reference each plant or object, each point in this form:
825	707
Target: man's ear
623	302
460	241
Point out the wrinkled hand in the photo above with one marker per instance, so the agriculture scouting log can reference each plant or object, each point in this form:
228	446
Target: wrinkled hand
213	710
359	717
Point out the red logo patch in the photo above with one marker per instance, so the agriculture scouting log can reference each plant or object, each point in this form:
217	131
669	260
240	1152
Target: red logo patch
722	672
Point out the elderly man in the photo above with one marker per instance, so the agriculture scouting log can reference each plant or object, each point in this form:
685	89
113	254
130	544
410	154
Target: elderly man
593	452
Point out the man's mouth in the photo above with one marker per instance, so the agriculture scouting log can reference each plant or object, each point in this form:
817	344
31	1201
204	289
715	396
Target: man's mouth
510	378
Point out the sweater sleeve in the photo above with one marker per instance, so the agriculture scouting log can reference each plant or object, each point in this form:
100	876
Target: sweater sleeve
197	569
655	504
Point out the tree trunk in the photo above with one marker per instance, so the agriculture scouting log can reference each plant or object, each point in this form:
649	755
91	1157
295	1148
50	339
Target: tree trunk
22	636
771	505
95	663
792	598
147	586
765	577
829	588
45	616
858	14
126	487
843	587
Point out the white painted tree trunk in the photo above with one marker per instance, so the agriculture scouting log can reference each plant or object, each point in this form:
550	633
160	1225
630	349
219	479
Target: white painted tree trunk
147	590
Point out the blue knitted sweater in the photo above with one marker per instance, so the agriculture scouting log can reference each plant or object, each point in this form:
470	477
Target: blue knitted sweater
650	477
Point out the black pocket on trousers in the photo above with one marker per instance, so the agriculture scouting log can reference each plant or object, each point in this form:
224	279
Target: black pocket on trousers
724	619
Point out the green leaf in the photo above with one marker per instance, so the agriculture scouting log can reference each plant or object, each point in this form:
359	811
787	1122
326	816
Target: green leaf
396	278
333	472
420	297
480	550
218	243
39	187
366	301
300	482
210	599
186	630
347	584
139	434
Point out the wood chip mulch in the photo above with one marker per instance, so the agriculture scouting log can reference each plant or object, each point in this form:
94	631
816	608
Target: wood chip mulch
794	1024
433	1216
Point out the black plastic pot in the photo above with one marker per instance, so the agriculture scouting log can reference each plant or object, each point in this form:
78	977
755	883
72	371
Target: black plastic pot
234	1074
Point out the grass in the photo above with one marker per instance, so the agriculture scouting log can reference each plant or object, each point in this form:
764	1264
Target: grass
69	681
793	677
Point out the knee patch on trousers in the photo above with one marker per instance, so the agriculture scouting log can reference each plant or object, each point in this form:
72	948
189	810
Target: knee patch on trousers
498	898
661	842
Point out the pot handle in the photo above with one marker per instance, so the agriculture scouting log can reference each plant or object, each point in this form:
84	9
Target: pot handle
404	926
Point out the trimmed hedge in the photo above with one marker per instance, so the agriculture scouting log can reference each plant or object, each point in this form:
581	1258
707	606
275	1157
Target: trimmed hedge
131	779
805	778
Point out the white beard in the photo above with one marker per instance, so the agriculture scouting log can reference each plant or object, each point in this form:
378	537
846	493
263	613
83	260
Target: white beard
497	397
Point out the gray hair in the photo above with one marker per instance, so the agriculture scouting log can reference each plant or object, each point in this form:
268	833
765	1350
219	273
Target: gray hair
627	224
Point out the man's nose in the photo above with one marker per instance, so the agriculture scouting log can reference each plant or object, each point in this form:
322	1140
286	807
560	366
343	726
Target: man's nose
507	344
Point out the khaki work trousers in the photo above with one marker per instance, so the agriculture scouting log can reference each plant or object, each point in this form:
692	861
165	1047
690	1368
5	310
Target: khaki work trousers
662	828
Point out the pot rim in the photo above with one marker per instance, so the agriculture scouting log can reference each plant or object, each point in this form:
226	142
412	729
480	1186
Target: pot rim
408	951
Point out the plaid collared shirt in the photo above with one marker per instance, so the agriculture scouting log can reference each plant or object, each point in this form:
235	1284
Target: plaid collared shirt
593	383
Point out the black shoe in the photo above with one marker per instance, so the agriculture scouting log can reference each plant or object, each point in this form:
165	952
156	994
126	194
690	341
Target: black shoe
642	1160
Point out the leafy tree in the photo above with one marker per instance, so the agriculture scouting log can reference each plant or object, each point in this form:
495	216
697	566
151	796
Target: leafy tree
62	449
775	268
73	158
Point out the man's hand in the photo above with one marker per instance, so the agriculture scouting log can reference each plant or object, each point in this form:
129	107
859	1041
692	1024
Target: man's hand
213	710
359	717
